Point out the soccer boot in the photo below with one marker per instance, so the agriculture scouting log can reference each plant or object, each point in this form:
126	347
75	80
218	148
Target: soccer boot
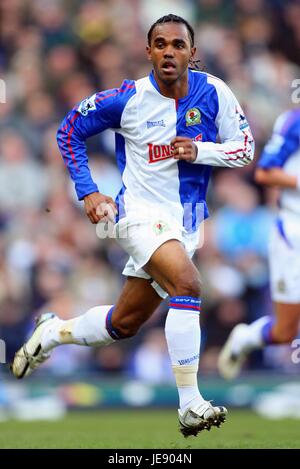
230	364
200	417
31	356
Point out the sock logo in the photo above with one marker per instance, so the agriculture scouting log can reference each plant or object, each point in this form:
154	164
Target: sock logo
186	361
185	302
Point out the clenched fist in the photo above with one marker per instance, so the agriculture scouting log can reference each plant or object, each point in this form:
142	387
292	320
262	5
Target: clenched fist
184	149
100	207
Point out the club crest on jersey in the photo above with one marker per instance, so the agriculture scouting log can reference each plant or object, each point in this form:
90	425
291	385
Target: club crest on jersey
87	105
193	116
160	227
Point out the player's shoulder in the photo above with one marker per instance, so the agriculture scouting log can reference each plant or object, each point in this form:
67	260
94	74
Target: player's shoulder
202	76
213	85
128	84
287	120
112	97
146	84
126	90
126	87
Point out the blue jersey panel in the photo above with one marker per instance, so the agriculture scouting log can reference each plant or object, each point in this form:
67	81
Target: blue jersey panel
93	115
121	162
283	143
196	114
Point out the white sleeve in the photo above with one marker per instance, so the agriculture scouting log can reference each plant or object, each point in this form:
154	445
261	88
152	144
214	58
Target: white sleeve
237	144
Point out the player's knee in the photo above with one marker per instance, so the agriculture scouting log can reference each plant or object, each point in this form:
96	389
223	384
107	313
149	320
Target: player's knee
125	328
188	285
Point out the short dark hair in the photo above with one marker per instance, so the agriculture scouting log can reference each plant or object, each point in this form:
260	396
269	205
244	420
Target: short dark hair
172	19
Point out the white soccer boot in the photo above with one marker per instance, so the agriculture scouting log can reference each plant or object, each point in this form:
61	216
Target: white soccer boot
31	356
229	363
201	416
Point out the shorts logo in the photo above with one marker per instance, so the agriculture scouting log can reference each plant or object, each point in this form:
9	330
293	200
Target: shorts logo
160	227
193	116
281	286
159	152
87	105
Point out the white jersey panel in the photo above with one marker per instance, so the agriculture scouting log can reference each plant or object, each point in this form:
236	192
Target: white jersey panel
237	144
290	198
151	174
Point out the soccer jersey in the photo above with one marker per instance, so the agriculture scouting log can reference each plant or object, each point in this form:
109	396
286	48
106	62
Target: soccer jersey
283	151
145	122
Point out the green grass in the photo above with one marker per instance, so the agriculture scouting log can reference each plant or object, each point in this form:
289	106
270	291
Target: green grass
148	429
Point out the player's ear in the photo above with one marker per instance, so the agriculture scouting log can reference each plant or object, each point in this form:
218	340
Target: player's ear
148	51
193	52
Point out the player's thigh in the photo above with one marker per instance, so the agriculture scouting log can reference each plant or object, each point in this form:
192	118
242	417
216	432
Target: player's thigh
287	317
171	267
284	262
137	302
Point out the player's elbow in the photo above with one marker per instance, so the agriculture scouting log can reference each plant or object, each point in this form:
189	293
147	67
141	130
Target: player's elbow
61	132
261	176
62	138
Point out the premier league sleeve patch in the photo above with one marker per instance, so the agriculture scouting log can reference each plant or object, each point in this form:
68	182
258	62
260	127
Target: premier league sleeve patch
87	105
243	124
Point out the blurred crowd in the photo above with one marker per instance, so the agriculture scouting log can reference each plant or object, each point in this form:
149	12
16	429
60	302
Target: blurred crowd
54	53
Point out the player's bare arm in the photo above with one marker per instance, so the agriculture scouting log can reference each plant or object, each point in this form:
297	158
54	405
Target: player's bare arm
276	177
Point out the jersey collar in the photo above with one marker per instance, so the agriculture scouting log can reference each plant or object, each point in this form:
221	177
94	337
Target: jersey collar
190	85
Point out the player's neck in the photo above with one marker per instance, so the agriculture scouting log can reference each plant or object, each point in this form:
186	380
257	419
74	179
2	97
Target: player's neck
178	89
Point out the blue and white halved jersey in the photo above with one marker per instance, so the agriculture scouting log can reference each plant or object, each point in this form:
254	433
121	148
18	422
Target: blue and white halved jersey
283	151
145	122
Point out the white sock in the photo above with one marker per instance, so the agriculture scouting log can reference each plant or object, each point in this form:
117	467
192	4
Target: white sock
251	338
87	329
183	337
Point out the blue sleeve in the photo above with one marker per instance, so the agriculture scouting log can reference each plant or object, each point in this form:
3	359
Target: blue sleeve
284	142
93	115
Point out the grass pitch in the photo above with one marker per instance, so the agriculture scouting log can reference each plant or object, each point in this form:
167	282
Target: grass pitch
154	429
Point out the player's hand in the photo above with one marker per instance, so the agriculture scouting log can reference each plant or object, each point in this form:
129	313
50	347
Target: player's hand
184	149
100	207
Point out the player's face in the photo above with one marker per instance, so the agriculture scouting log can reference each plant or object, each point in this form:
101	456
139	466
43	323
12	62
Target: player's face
170	51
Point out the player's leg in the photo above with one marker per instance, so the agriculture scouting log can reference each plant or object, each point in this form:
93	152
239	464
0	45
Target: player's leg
172	269
284	261
286	325
100	325
281	329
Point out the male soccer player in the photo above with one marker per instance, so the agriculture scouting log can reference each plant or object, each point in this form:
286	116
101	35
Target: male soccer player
279	166
166	127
